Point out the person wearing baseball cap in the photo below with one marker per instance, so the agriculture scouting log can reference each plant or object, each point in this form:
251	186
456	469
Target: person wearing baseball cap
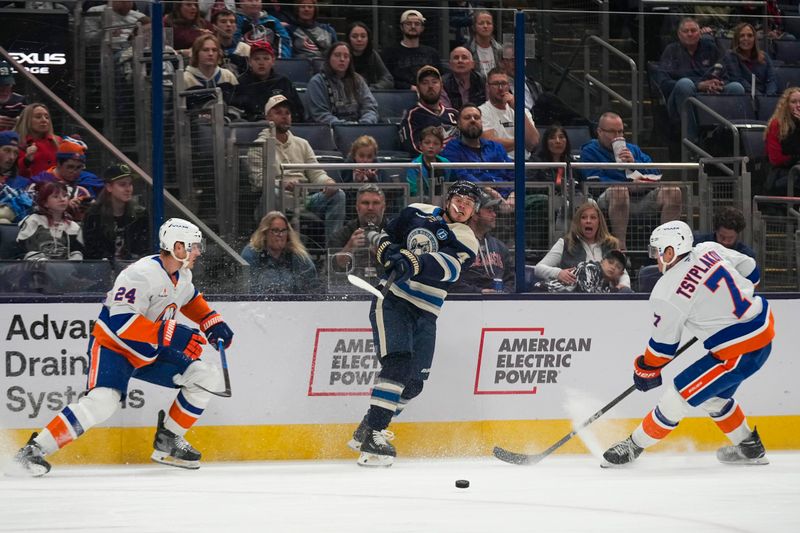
429	111
260	82
11	103
116	226
405	59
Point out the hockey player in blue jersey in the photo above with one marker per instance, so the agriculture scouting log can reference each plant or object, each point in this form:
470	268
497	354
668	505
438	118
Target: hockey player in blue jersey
426	247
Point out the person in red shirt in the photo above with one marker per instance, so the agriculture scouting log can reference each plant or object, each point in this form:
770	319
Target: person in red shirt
783	141
38	142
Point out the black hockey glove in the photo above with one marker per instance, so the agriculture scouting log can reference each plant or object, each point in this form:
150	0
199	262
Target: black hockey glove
646	377
216	329
404	264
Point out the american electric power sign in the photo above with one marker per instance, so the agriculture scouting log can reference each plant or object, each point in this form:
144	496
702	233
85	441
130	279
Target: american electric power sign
509	360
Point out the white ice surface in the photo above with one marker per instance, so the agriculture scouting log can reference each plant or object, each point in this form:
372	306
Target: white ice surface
659	493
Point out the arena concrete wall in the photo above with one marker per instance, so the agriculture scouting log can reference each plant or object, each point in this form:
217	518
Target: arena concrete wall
506	372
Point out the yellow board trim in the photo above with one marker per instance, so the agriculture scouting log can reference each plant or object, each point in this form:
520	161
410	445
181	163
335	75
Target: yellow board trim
420	439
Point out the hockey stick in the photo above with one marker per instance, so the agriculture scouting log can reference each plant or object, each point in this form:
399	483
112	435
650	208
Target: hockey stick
224	362
531	459
367	286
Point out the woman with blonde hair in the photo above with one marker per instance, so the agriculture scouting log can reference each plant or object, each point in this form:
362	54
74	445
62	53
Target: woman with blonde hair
782	139
745	59
38	143
279	263
587	239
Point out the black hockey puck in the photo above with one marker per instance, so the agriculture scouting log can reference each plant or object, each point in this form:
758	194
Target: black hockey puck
462	483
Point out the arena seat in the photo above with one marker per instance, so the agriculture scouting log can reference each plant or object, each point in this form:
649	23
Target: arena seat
648	276
8	241
298	70
389	147
393	103
321	139
788	76
787	51
765	105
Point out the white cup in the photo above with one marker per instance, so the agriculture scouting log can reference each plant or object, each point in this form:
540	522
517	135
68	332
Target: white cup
618	145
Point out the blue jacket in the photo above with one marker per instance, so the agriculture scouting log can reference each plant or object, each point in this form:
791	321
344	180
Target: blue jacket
739	246
739	70
277	35
594	152
676	63
491	152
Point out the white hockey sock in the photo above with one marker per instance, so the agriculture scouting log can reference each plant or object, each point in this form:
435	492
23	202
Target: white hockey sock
729	417
78	417
662	420
186	409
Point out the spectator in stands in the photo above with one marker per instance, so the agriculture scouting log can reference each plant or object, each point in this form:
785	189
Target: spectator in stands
329	204
431	144
370	214
485	50
587	239
493	260
38	143
532	89
15	203
254	24
498	115
429	111
187	25
116	226
279	263
366	59
729	223
471	147
11	103
261	82
744	60
690	66
69	170
122	19
234	51
666	200
783	142
554	148
592	276
405	60
339	95
363	150
50	233
462	85
310	38
204	72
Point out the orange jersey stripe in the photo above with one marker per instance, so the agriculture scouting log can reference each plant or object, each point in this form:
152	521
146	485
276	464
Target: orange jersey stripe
653	429
749	345
710	375
196	309
734	419
141	330
183	419
105	340
60	431
94	364
654	360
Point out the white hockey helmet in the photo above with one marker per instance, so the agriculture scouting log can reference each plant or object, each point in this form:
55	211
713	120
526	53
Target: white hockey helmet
676	235
179	230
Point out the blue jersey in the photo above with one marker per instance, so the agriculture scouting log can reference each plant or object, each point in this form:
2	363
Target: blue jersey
443	250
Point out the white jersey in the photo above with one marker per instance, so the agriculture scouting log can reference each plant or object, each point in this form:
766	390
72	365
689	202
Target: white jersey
502	122
710	292
143	297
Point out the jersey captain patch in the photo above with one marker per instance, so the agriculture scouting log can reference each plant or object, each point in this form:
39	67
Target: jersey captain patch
422	241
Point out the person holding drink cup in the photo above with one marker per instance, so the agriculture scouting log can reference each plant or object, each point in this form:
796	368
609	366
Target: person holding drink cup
609	147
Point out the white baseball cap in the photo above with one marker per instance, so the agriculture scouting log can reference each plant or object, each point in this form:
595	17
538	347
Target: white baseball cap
273	101
411	13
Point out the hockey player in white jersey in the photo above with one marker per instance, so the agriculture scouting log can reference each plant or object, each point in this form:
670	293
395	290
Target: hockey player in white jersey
427	248
709	291
137	336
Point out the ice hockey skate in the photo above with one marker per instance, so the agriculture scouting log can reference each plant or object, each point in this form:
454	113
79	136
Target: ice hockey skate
174	450
748	452
359	435
621	453
376	449
29	461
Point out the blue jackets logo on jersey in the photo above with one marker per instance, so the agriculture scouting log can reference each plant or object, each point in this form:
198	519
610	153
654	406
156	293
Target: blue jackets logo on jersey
422	241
